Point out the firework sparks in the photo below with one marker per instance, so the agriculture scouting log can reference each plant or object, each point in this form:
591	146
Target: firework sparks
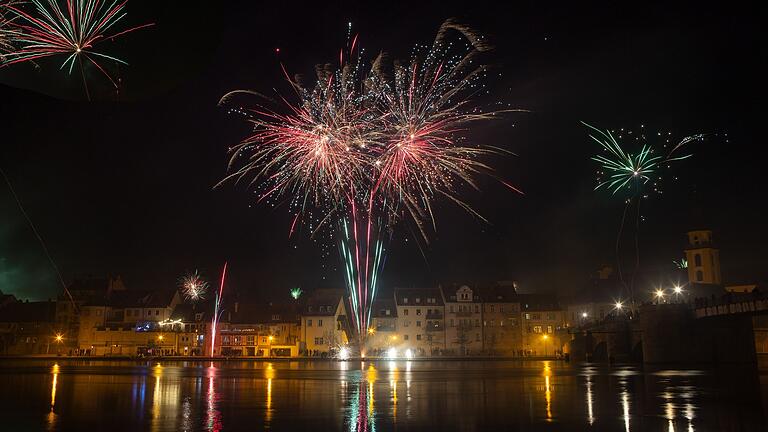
682	264
366	149
72	31
6	33
193	286
621	169
296	293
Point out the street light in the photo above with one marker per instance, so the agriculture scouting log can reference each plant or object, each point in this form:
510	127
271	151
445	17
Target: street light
584	314
678	289
619	305
371	330
659	295
59	337
545	337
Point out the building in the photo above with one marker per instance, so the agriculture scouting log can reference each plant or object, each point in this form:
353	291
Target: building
502	333
261	330
420	321
324	325
703	258
382	334
463	321
544	327
29	328
597	299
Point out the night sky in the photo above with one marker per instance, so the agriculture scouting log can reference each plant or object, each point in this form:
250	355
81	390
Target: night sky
124	185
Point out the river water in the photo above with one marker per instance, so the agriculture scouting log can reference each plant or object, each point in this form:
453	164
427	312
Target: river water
376	396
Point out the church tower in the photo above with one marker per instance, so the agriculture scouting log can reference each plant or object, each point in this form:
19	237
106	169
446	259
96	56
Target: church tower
703	258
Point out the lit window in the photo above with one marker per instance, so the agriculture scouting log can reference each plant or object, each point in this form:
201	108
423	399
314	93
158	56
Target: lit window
537	329
549	329
418	311
527	316
418	299
405	299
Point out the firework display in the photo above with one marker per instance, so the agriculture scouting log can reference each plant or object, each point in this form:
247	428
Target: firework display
636	173
193	286
369	146
38	29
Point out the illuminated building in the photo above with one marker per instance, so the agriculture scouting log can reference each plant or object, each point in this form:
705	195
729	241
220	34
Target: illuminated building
261	330
463	321
324	323
420	321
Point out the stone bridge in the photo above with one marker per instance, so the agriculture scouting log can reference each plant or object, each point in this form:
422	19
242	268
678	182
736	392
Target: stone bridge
671	333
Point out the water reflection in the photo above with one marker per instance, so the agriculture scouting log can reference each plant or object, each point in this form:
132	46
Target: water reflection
269	374
51	418
547	390
213	416
590	409
369	396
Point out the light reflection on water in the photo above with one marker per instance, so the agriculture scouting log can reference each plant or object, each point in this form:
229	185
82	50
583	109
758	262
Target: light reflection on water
372	396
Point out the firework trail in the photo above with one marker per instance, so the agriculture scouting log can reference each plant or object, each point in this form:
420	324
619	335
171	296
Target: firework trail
72	30
365	148
39	239
635	173
217	309
193	286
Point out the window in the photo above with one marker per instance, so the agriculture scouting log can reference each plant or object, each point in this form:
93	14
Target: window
527	316
319	323
318	341
406	323
418	311
418	323
697	260
405	312
321	308
699	275
550	316
537	329
492	323
388	311
477	308
128	312
405	300
429	337
157	312
275	317
464	296
549	329
451	308
431	300
418	337
537	316
418	299
405	337
149	313
309	323
451	322
309	308
493	307
249	340
477	337
477	322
